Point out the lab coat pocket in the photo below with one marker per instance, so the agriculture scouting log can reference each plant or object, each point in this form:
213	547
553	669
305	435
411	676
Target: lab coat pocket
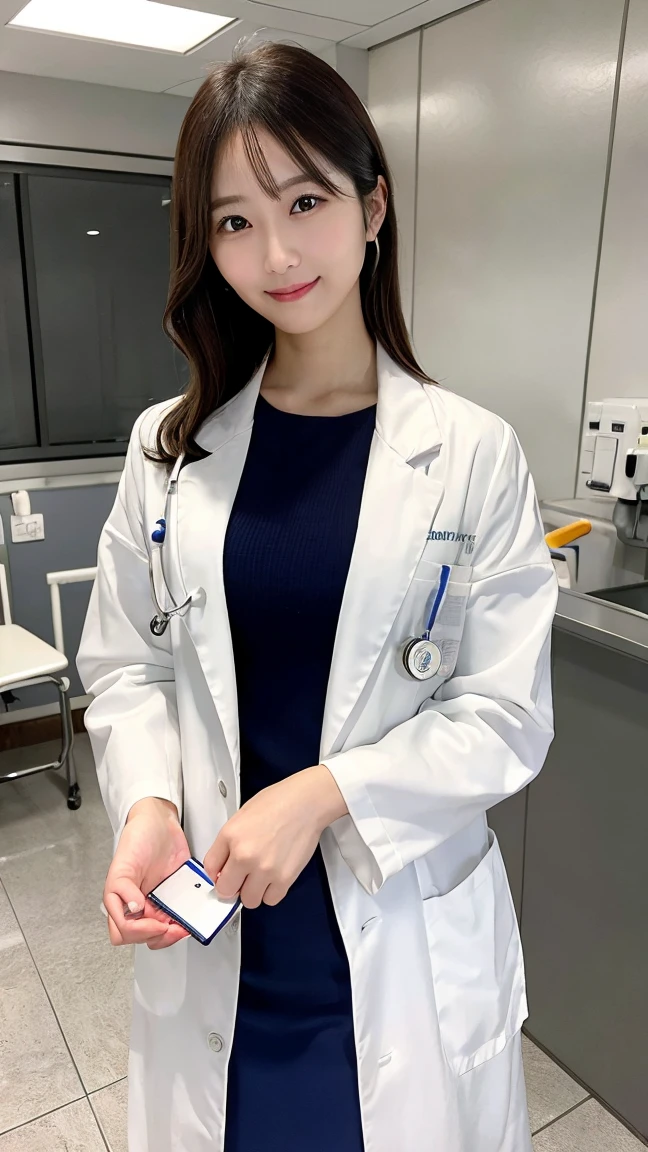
477	964
449	619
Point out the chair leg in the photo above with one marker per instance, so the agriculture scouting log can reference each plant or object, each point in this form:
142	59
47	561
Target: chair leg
74	792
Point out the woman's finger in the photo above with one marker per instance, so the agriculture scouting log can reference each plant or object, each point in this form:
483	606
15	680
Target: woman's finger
217	856
274	894
132	896
114	933
253	890
231	880
173	935
132	931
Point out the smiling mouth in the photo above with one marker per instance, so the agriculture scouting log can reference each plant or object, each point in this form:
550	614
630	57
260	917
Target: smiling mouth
295	292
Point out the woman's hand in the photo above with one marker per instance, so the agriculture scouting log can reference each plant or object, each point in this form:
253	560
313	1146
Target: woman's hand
151	846
261	851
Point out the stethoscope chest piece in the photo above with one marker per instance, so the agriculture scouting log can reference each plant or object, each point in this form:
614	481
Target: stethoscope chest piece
159	624
422	658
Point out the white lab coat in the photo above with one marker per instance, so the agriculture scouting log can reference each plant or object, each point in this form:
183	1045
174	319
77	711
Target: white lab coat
417	880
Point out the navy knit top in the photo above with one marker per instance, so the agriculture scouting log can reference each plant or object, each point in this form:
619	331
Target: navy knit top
287	551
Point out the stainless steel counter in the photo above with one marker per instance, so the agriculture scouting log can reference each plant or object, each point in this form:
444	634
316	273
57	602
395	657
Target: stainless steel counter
609	625
575	848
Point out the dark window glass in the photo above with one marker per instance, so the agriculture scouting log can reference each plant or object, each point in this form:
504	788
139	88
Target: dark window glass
17	422
100	303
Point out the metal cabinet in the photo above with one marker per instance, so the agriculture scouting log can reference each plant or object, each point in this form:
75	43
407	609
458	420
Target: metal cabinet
585	898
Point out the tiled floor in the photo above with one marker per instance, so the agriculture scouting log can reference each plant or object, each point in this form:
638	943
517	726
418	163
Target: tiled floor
65	993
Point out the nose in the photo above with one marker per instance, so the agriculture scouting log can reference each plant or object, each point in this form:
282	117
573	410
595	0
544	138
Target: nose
279	255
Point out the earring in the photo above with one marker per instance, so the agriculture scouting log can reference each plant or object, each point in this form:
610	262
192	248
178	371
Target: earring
377	257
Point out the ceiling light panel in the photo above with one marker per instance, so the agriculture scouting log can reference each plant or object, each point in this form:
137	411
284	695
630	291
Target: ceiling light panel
139	23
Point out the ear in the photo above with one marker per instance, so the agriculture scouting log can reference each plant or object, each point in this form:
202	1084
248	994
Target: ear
376	209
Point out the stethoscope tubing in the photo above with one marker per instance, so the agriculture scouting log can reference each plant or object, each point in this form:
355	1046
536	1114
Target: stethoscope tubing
160	621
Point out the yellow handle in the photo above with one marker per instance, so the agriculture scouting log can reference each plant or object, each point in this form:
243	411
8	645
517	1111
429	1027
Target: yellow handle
562	536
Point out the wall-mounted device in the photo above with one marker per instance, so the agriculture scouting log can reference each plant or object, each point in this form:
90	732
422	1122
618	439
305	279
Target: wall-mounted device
614	462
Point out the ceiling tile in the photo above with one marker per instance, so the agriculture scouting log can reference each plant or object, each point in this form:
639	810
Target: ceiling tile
189	88
406	21
319	47
93	62
292	20
357	11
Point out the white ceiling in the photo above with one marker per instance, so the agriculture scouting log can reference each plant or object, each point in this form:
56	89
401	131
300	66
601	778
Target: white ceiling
316	24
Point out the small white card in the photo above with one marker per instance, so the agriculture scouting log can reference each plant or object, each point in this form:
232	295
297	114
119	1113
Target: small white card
189	897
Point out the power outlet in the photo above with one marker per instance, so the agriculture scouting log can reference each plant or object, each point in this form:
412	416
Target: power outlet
27	528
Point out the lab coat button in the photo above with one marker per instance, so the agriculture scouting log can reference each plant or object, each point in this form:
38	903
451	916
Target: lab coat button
215	1042
222	787
233	927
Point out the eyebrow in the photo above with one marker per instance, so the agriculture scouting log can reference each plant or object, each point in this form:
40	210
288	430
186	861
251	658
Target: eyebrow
302	178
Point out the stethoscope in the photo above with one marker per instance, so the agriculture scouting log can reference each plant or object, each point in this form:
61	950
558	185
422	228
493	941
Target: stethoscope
160	621
422	658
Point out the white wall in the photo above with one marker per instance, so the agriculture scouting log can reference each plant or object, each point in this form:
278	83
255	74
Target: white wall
619	354
516	116
393	104
516	104
35	110
353	66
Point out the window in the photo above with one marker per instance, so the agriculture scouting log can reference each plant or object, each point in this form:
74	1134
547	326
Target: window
96	270
17	420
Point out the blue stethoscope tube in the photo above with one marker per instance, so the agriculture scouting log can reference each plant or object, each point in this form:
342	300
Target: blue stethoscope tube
160	621
438	600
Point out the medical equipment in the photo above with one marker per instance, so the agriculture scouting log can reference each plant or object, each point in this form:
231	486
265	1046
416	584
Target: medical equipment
612	494
601	559
422	658
160	621
565	549
614	461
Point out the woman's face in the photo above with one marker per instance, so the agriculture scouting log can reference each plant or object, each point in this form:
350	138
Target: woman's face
308	237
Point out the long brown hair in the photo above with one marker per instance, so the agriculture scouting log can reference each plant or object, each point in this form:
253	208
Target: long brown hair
308	108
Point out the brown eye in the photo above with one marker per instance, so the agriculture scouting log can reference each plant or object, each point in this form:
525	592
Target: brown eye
307	203
238	224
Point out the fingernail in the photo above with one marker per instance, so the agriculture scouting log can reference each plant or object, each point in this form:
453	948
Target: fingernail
133	909
133	906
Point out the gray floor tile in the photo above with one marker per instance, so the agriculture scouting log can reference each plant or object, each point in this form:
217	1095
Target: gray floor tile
57	895
71	1129
36	1072
550	1091
110	1109
589	1128
34	811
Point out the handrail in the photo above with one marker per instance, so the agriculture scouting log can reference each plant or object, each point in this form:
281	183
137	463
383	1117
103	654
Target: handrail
4	596
55	579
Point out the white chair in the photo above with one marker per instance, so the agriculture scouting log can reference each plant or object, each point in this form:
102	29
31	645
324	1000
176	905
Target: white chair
26	660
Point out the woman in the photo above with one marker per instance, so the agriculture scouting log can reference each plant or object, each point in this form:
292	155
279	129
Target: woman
328	505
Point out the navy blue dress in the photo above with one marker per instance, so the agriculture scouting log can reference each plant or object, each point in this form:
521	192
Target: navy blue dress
293	1082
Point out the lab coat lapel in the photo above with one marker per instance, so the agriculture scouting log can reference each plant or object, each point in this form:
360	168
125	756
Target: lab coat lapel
399	503
206	492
